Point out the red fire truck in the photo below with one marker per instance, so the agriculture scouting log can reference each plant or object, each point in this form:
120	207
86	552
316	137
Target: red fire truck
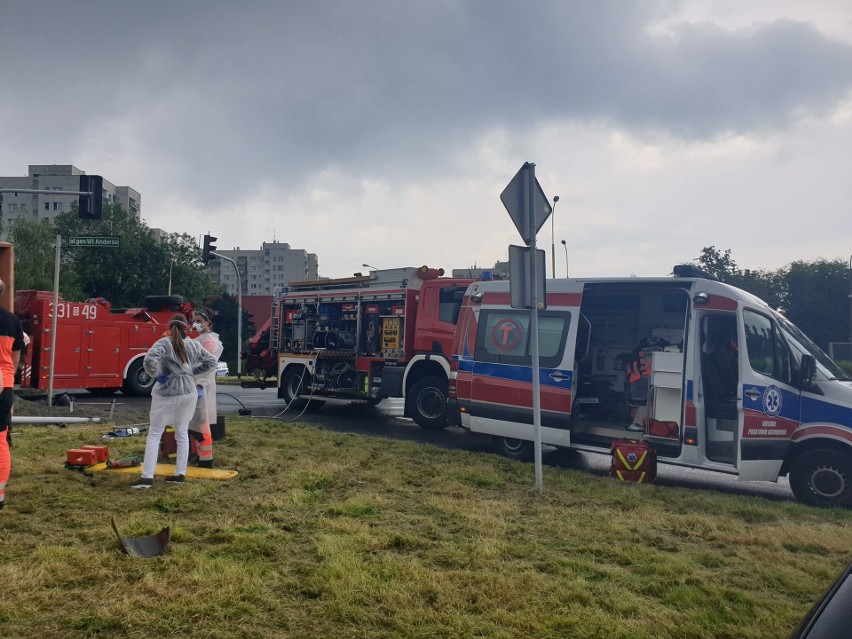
363	338
97	348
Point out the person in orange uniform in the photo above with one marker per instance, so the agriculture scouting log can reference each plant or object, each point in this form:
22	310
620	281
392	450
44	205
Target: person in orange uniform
202	321
11	345
637	379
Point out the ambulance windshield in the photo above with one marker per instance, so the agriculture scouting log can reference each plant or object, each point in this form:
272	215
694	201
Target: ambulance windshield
802	343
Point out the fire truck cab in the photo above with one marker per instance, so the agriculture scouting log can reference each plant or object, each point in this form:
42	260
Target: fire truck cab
710	375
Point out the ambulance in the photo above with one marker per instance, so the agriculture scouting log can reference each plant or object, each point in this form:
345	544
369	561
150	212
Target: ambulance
708	374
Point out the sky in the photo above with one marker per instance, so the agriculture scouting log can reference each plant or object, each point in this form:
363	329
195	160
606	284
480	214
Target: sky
384	131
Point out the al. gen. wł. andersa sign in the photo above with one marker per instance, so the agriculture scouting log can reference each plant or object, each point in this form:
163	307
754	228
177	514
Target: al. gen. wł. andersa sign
103	241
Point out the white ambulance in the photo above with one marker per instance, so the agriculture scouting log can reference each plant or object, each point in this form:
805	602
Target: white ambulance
707	373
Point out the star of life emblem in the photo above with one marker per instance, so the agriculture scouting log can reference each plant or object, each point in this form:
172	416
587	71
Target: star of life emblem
772	400
631	457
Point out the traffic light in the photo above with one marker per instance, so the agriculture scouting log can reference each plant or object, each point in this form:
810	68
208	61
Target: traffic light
89	207
209	247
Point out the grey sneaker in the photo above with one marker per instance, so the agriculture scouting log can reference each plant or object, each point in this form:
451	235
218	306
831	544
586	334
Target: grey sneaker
143	482
176	479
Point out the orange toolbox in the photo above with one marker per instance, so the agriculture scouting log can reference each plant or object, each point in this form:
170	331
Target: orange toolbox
168	447
81	457
101	452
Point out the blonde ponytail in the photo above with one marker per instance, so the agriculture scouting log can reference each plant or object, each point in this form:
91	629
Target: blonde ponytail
177	326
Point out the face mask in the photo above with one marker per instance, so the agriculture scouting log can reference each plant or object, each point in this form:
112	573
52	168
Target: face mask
197	326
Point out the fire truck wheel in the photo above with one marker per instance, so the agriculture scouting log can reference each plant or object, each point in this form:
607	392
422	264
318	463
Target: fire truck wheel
822	478
514	448
295	383
427	402
137	382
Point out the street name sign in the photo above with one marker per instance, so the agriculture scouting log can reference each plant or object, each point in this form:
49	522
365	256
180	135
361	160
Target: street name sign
103	241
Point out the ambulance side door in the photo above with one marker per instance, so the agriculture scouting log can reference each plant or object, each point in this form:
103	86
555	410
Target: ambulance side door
771	403
500	399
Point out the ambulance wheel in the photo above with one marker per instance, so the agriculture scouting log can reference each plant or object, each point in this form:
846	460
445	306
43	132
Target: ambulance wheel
138	382
822	478
426	402
295	383
514	448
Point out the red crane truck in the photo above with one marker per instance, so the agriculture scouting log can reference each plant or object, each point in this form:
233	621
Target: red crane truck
363	338
97	348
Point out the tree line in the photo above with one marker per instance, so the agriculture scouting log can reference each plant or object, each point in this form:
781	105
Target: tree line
143	265
814	295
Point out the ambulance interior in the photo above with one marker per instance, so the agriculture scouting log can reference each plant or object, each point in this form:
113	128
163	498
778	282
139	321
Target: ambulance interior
615	319
719	383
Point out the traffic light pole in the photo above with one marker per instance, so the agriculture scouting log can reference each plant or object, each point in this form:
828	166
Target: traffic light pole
239	312
55	313
90	201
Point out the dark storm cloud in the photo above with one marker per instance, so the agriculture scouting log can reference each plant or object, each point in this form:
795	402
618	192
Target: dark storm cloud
219	94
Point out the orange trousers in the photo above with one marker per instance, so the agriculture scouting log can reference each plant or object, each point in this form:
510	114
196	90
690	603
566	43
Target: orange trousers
7	397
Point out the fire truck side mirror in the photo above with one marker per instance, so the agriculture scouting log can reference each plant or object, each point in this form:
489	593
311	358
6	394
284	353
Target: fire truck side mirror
90	207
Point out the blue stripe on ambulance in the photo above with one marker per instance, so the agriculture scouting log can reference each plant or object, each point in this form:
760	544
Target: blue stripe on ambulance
822	412
518	373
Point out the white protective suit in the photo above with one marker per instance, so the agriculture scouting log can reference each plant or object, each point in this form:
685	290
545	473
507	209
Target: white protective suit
173	400
212	344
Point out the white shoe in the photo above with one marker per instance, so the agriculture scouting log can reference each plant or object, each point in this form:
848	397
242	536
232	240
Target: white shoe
635	428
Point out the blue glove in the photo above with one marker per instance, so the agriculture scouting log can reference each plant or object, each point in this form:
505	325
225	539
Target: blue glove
163	378
200	390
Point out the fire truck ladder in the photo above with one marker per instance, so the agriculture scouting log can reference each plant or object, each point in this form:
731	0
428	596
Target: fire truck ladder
274	326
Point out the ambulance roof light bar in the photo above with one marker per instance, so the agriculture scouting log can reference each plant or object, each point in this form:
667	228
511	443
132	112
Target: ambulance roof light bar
690	270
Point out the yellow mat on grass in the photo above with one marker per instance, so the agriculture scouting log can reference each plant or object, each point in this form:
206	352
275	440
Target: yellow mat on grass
165	470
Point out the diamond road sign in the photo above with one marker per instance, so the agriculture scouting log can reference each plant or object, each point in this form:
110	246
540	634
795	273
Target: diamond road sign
105	241
515	198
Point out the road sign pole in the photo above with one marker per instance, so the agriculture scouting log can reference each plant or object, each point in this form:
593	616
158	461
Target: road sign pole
522	197
530	202
54	324
239	312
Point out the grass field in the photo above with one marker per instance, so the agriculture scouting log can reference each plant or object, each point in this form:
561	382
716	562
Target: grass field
336	535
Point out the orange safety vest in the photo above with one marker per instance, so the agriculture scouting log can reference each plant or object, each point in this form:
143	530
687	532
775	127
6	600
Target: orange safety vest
641	366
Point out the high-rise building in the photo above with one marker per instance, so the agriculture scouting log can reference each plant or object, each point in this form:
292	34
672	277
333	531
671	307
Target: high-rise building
56	178
264	271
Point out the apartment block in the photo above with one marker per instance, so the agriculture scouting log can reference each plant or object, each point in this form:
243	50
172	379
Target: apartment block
46	206
263	271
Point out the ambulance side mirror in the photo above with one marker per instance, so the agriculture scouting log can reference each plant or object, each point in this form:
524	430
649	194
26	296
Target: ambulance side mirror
808	370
